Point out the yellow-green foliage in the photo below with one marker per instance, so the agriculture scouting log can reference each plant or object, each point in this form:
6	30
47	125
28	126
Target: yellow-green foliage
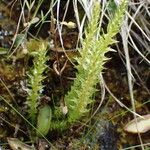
38	49
44	120
90	65
91	61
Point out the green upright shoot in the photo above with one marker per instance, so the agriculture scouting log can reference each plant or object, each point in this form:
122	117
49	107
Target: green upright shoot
91	61
35	79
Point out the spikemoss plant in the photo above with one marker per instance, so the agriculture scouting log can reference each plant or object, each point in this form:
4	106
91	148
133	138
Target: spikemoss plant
91	61
38	49
90	65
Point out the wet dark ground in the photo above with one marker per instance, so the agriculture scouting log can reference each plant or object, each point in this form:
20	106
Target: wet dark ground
13	75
